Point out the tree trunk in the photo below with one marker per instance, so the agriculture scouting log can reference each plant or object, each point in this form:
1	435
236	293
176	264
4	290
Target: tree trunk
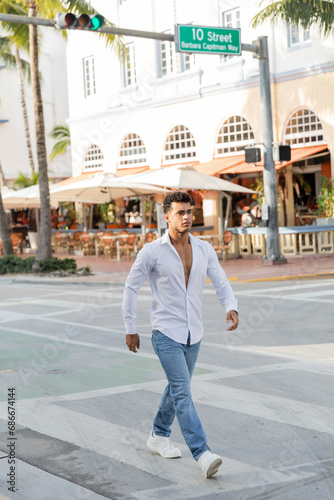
24	109
4	229
44	242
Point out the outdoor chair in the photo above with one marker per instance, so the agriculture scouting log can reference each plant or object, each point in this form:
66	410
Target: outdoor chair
123	242
74	242
88	243
109	244
17	240
129	247
149	237
61	242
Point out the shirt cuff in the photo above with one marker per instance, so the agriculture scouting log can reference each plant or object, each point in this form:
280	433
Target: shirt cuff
130	329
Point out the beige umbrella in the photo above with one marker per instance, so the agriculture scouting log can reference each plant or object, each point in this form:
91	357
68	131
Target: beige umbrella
187	177
103	187
26	197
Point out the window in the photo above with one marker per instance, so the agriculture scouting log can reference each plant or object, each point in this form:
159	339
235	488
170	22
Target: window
166	58
89	76
187	61
129	66
298	36
180	144
132	151
231	18
304	127
169	62
93	158
234	135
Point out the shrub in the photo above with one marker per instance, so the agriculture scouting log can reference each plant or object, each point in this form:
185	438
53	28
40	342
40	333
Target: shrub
15	264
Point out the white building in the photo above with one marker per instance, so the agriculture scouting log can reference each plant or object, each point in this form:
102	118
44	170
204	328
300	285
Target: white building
14	156
155	107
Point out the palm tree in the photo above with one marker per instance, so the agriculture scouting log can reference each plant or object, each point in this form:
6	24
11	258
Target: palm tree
6	240
23	181
62	134
23	69
48	9
308	13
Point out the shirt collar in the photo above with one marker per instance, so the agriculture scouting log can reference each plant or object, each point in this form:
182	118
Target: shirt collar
166	238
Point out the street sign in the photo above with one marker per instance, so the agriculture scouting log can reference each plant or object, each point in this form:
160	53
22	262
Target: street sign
207	39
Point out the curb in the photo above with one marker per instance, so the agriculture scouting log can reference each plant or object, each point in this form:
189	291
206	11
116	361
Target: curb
291	277
234	279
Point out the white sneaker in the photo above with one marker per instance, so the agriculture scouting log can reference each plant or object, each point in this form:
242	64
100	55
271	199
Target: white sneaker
163	446
209	463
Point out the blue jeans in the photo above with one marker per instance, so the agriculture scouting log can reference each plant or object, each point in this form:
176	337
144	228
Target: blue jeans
178	362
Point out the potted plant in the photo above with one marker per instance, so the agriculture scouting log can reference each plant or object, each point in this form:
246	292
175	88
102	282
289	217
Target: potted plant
105	214
325	202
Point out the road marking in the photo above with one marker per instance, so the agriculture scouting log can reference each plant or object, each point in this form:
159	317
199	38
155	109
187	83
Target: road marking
276	289
128	446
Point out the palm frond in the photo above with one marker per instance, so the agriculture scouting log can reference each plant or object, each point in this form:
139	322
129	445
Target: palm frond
308	13
23	181
8	58
60	132
59	148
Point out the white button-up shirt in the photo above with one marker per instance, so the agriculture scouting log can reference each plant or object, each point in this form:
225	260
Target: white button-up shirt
176	309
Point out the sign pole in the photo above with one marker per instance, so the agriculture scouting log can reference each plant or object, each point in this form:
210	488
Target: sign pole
269	173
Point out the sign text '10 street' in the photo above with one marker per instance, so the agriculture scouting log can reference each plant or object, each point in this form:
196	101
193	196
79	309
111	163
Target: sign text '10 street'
207	39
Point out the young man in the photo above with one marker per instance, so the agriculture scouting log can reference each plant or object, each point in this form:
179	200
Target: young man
177	266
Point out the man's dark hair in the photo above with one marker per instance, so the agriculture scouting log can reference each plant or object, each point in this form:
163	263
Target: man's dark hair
178	197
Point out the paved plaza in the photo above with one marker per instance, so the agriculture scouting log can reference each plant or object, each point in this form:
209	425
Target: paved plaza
85	404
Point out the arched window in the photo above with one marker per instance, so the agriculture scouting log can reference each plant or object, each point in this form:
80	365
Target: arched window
303	127
93	158
180	145
233	136
132	151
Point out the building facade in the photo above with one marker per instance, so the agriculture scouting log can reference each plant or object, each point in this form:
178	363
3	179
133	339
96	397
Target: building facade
14	155
151	107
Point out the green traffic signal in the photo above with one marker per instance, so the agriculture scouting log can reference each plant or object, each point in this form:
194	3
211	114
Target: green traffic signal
79	22
97	22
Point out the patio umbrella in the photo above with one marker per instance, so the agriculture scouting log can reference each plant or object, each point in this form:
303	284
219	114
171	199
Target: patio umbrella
187	177
26	197
101	188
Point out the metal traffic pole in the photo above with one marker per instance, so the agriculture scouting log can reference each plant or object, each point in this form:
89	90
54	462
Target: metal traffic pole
269	173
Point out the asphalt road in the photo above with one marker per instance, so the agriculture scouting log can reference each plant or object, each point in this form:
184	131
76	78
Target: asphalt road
80	406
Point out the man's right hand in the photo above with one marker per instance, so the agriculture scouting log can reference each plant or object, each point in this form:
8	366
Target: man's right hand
133	342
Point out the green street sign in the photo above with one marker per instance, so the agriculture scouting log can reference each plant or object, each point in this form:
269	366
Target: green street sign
207	39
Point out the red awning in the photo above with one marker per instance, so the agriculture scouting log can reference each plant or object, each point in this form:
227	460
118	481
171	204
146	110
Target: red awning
85	175
130	171
237	164
217	165
77	178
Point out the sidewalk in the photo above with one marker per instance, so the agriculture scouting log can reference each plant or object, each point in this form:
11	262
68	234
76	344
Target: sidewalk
238	270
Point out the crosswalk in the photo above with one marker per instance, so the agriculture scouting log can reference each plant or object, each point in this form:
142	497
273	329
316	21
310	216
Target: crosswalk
270	414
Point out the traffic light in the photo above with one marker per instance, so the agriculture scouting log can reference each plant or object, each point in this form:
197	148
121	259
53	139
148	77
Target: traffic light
252	154
67	20
282	152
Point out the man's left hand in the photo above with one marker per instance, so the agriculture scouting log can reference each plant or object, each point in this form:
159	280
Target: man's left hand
232	316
